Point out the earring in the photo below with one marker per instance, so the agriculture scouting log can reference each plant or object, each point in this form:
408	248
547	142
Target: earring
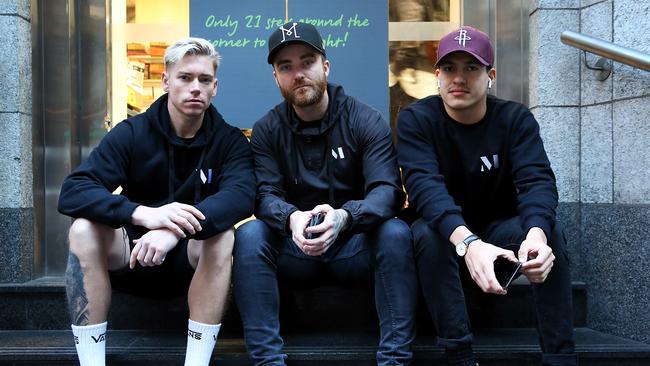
438	83
489	83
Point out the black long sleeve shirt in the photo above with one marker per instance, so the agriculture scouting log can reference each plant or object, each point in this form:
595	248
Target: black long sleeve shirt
457	174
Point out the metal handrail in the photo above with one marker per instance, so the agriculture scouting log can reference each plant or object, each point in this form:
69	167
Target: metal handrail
610	50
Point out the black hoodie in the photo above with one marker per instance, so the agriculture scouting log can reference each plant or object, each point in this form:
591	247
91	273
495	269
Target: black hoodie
213	172
347	160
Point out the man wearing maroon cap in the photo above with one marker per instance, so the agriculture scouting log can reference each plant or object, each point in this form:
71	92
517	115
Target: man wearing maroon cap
476	171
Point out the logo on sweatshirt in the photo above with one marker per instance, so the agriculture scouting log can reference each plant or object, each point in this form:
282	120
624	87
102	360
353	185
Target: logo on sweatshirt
206	179
195	335
340	154
487	165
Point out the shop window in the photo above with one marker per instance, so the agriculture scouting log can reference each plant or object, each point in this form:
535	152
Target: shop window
415	26
141	30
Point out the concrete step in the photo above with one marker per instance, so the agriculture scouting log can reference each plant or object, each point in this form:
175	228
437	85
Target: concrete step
41	304
504	347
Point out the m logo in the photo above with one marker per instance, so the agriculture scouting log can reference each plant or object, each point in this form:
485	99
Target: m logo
291	32
486	164
206	179
101	338
462	37
195	335
340	154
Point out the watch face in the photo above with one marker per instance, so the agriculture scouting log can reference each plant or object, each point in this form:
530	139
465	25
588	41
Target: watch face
461	249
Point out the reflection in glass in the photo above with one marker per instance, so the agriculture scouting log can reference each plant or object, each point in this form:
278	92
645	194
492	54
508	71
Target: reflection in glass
411	73
419	11
411	62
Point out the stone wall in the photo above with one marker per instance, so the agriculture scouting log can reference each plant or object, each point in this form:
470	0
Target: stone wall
597	135
16	182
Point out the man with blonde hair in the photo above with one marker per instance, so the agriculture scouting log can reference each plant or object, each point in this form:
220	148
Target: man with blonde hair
186	178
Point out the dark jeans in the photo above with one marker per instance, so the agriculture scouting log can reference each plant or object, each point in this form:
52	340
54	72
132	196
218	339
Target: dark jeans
262	258
439	270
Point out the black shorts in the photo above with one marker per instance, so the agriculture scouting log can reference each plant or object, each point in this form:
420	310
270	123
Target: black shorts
170	279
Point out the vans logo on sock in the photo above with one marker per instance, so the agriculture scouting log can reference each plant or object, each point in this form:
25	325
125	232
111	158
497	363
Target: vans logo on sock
340	154
100	338
76	340
195	335
486	164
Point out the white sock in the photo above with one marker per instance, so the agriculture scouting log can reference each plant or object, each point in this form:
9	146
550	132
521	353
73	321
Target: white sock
201	339
90	341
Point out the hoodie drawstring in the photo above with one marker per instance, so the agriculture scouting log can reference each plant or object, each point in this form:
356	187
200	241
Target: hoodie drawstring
329	168
198	181
172	175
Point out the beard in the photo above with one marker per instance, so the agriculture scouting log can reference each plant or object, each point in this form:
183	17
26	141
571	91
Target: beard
308	96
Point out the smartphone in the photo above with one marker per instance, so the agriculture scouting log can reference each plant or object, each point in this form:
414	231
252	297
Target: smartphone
315	220
506	271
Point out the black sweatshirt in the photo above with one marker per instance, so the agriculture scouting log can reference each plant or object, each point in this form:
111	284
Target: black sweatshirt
472	175
213	172
347	160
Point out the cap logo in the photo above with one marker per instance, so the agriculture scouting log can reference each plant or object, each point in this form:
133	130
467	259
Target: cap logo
462	37
291	32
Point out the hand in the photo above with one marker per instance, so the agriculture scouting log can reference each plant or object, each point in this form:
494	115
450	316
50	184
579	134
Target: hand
541	256
298	221
480	259
177	217
150	250
327	231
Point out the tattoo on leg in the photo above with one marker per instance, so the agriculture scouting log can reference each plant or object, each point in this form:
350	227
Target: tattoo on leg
77	298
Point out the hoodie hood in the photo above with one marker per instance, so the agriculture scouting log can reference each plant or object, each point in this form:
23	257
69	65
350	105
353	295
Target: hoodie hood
158	116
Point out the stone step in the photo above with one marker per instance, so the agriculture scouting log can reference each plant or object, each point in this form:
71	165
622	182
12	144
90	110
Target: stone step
40	304
504	347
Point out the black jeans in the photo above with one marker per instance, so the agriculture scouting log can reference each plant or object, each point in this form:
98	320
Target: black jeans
263	257
440	278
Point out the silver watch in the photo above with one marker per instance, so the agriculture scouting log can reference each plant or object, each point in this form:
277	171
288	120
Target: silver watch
461	247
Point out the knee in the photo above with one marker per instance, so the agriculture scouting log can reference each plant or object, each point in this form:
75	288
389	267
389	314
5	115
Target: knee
250	238
220	248
394	235
426	239
85	238
421	229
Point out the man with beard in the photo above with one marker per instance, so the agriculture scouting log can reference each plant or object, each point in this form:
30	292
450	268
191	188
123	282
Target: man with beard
322	153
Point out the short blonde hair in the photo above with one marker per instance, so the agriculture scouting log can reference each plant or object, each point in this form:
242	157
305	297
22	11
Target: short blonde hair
191	46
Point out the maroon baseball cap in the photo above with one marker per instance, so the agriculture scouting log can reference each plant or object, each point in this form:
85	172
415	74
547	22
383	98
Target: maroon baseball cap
470	40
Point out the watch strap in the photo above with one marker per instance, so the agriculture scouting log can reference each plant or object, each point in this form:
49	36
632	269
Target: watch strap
470	239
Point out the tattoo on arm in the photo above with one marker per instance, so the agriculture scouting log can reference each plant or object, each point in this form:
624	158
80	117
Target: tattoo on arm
77	298
340	220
